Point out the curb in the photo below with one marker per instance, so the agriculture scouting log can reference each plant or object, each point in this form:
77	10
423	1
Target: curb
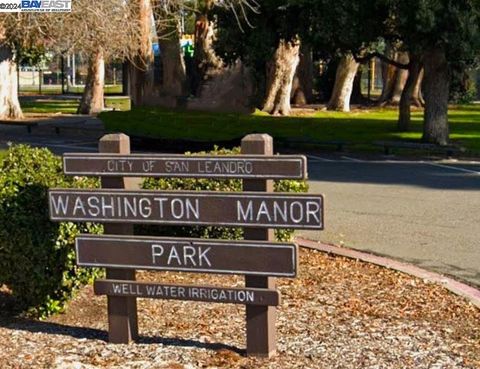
472	294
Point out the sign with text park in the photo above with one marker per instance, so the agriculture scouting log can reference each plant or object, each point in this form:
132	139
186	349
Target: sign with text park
118	205
188	255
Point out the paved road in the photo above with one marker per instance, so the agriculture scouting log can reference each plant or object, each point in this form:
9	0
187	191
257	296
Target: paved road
426	213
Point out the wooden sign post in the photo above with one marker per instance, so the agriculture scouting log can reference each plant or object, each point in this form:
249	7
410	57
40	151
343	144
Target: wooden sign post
122	311
261	332
258	209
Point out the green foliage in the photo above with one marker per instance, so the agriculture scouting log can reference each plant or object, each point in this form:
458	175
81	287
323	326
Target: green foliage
343	25
234	185
255	40
37	260
452	25
33	55
463	89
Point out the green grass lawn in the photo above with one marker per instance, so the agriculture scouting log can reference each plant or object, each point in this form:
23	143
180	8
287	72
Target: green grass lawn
49	106
57	89
69	106
359	128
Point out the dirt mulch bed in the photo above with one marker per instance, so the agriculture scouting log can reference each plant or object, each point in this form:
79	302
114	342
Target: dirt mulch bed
339	313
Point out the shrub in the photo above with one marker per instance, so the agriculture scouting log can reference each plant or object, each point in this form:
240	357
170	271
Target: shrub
37	260
191	184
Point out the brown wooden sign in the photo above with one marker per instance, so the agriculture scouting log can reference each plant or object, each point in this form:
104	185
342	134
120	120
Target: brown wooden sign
155	165
231	295
247	209
188	255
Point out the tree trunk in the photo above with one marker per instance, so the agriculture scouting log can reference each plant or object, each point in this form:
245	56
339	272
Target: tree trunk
389	73
436	86
401	77
417	98
140	69
357	96
280	73
92	98
302	87
9	104
414	71
173	66
342	90
205	59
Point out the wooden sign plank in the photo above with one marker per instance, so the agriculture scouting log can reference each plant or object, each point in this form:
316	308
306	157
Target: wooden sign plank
254	209
187	255
163	165
231	295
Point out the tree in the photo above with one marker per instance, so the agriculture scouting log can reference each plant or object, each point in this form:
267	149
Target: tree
98	29
346	29
439	34
139	67
9	104
270	44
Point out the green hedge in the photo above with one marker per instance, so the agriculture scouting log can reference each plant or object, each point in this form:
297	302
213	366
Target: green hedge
212	185
37	260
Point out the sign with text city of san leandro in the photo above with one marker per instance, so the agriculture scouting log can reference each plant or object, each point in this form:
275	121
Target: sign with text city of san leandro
42	6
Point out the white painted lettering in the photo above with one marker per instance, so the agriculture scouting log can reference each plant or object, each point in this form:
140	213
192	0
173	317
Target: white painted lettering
177	208
144	207
263	211
161	201
214	294
94	208
277	210
174	255
157	251
194	292
60	203
111	165
300	211
241	296
223	295
313	209
188	253
79	206
242	215
107	207
202	257
181	292
130	207
150	290
191	209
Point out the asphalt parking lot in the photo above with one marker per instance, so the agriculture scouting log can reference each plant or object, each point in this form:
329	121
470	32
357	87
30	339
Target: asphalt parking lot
423	212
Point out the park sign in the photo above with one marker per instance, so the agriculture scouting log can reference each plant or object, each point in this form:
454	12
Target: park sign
242	209
165	165
188	255
119	205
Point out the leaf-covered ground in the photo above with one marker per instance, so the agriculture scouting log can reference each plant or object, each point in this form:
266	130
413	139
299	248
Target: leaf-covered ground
338	313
